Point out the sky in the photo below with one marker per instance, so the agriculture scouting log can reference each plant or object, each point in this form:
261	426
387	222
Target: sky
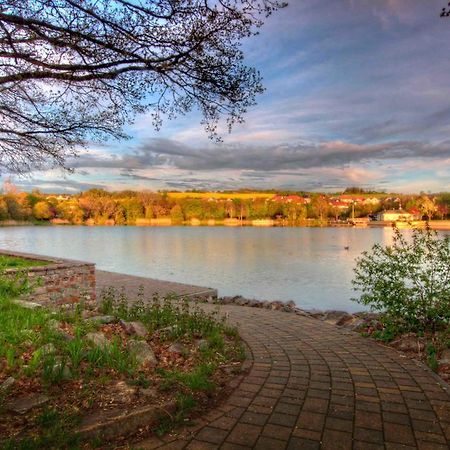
357	94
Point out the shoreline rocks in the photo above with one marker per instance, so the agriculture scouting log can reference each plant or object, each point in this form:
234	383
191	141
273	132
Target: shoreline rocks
342	319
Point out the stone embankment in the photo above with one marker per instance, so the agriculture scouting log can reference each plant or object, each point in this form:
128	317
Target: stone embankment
59	282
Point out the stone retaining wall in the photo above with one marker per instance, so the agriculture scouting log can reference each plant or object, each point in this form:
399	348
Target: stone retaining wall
63	281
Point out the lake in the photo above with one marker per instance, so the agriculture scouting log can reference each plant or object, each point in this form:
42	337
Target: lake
311	266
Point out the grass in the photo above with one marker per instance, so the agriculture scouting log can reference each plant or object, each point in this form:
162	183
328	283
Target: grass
36	351
56	433
14	262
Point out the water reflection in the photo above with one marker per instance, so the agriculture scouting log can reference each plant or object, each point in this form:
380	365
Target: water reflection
308	265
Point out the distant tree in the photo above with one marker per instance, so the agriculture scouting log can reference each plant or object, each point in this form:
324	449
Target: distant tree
443	204
193	208
4	214
426	206
294	212
133	209
354	190
14	209
70	210
176	215
72	70
43	211
319	207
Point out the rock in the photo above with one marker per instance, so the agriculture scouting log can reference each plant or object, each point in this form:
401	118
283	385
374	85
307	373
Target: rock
102	319
26	304
201	344
210	299
358	324
177	347
276	305
143	353
241	301
345	320
22	405
301	312
7	384
149	392
409	343
66	336
334	316
98	339
123	392
445	357
134	328
291	304
63	369
46	349
253	303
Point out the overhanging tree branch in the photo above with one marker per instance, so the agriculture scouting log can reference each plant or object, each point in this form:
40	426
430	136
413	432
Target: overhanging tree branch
78	70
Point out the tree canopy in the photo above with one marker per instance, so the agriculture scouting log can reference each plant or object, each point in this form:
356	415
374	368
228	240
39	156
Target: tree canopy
76	70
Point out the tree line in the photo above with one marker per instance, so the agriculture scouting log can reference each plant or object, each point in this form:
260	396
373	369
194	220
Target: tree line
101	207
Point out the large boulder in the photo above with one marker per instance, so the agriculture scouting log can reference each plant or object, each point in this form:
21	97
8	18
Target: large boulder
98	339
143	353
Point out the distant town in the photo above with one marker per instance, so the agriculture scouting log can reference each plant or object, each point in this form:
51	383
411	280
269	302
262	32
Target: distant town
354	206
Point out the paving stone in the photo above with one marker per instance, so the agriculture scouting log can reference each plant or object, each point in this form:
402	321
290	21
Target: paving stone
312	385
266	443
244	434
303	444
212	435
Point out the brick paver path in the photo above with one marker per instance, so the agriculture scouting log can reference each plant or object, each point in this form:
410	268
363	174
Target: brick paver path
311	385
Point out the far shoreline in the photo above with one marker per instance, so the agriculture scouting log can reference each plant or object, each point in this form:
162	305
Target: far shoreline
439	225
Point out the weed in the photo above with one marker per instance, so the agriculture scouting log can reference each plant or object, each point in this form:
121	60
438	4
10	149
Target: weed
432	357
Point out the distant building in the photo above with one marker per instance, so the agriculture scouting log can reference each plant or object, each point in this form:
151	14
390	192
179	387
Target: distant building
350	199
339	204
371	201
396	215
296	199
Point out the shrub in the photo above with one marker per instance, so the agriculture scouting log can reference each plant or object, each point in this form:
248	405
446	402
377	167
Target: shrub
409	280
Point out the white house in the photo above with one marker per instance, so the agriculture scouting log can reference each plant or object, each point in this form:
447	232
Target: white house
396	215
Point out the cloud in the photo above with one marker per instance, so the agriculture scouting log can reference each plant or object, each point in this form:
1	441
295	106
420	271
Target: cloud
55	186
168	153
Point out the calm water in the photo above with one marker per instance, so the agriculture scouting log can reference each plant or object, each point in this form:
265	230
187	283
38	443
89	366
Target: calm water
308	265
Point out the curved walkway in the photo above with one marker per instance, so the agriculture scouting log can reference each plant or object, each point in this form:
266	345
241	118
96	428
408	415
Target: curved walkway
311	385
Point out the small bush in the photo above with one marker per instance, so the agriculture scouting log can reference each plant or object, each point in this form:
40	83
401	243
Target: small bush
409	281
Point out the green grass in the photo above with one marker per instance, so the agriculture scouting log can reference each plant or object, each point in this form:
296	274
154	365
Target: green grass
14	262
33	346
24	330
57	433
